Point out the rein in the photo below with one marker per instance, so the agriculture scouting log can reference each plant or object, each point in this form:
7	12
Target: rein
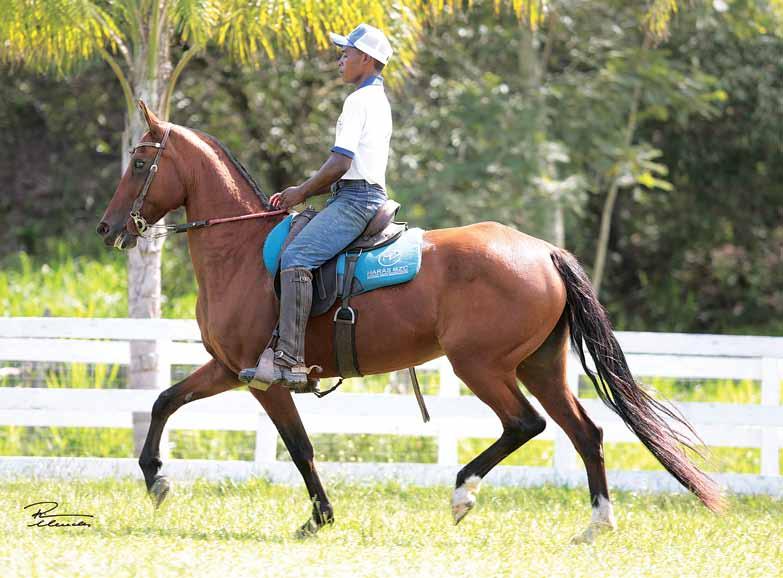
166	230
142	226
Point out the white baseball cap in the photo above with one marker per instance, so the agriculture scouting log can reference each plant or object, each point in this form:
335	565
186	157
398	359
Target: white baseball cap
368	39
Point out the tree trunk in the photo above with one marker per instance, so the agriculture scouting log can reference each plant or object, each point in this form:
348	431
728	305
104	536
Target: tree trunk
148	368
611	198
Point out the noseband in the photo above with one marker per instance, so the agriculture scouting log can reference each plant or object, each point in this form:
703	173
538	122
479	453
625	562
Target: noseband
141	223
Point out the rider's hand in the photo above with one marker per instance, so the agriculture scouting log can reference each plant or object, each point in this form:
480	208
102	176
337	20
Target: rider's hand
288	198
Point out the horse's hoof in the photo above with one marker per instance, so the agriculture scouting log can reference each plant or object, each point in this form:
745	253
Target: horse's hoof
159	490
592	532
461	510
464	498
309	530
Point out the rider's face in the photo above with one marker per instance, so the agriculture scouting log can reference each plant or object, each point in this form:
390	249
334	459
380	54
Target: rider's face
352	64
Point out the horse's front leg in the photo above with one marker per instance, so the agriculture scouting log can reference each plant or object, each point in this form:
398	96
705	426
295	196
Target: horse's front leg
280	408
206	381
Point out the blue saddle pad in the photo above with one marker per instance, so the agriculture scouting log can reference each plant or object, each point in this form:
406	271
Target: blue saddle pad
391	264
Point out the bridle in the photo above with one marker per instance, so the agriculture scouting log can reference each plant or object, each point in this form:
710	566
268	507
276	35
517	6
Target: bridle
135	213
142	226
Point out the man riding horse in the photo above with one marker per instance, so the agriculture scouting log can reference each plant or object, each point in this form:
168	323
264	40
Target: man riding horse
355	173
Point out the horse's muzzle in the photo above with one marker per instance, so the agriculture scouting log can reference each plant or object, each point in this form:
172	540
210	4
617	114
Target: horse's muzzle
118	237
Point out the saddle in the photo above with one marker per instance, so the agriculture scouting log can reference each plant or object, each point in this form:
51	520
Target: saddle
328	281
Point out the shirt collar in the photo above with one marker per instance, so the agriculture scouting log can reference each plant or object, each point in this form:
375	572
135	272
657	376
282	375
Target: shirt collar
372	81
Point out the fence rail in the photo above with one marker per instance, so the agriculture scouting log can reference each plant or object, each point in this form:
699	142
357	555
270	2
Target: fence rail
455	416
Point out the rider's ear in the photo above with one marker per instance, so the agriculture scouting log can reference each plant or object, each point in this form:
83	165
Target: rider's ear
153	122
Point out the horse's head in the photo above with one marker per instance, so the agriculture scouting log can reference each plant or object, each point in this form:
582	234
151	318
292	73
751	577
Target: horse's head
150	187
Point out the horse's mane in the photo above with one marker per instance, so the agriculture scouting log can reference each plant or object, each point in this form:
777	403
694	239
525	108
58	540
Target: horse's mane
239	166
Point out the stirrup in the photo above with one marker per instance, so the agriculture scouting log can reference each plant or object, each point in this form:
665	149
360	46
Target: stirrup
264	374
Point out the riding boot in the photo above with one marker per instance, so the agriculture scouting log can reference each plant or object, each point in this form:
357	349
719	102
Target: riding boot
296	298
286	365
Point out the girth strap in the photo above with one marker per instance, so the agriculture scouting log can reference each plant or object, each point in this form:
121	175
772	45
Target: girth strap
345	336
345	323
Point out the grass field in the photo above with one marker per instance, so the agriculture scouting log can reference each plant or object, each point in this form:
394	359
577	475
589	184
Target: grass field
246	529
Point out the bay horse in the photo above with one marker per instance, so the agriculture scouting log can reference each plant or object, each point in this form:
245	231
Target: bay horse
501	305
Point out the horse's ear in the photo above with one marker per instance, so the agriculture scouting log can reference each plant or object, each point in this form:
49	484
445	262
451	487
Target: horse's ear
152	121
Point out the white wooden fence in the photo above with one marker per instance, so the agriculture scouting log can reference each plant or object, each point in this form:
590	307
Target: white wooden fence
454	416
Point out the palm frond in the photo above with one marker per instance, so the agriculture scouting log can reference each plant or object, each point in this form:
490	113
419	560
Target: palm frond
196	21
54	34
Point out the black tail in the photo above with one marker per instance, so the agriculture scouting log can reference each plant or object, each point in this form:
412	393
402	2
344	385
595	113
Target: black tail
617	388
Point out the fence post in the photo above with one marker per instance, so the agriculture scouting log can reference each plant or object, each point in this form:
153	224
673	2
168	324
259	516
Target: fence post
565	455
447	438
771	370
266	440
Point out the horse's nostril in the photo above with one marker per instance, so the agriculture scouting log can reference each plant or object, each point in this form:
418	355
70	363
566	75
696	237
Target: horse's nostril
102	229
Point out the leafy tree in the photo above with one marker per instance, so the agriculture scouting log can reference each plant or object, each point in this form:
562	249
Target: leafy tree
705	255
602	84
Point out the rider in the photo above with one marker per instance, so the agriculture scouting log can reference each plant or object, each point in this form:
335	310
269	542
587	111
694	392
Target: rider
355	173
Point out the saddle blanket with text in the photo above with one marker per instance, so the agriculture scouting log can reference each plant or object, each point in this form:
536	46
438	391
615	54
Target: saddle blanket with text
391	264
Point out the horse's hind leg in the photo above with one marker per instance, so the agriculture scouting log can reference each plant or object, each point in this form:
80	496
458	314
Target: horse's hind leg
520	423
206	381
544	375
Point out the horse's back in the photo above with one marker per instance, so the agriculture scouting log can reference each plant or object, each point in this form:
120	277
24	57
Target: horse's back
470	250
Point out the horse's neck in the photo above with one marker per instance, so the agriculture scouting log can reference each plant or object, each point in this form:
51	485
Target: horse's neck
220	251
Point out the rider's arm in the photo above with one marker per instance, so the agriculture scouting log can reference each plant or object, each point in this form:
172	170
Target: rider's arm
334	168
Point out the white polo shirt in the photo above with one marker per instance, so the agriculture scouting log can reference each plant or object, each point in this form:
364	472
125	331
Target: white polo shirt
363	132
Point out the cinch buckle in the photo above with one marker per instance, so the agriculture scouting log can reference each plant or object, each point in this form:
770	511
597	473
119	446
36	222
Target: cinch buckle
337	314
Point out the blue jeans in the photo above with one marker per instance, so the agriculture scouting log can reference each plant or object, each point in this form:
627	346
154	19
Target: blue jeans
348	211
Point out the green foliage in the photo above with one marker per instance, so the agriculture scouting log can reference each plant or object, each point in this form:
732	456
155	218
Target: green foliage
61	285
55	34
691	390
634	456
704	257
212	445
469	139
83	376
370	448
539	453
66	442
386	530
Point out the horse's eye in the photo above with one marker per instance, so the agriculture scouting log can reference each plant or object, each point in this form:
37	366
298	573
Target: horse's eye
138	164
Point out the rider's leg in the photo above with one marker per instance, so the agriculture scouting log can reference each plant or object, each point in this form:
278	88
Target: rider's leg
296	298
344	218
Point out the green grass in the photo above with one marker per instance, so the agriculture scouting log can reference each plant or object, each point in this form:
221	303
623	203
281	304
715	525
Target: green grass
245	529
